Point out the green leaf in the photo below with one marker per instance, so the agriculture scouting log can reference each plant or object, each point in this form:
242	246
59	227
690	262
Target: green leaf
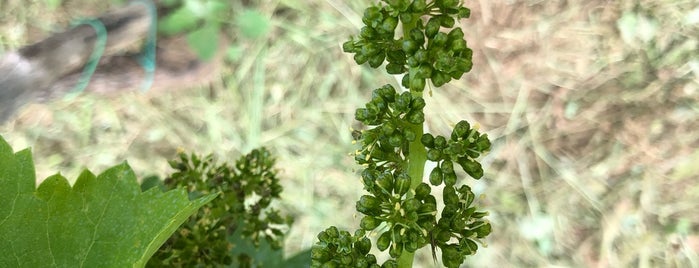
204	41
181	20
53	4
253	24
102	221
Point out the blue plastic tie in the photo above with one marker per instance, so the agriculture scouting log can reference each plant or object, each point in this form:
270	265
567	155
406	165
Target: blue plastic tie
97	52
146	58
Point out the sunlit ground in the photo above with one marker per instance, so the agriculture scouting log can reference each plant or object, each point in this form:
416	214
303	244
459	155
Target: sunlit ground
592	107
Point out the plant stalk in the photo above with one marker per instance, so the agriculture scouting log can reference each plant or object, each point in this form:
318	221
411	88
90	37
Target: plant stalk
417	156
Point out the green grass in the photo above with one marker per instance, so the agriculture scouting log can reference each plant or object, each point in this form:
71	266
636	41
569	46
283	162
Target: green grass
594	137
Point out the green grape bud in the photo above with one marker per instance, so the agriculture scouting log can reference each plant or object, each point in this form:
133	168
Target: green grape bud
440	142
464	13
445	4
417	84
427	140
455	34
420	56
469	247
442	236
451	257
407	18
388	128
396	250
427	208
349	46
385	181
418	36
360	58
439	40
371	15
403	102
370	49
346	260
456	148
458	223
320	253
432	27
410	46
483	230
461	66
430	199
411	205
396	140
448	212
399	5
466	194
412	62
387	92
332	232
411	246
369	223
390	264
389	24
418	6
436	176
424	71
446	21
409	135
393	68
384	241
417	104
402	184
368	33
363	246
471	167
483	143
434	155
458	45
450	179
449	196
406	78
396	56
369	205
376	60
451	11
461	130
422	191
415	117
440	78
361	114
447	167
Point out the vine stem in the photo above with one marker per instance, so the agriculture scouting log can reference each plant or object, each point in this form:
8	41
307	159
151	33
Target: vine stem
417	156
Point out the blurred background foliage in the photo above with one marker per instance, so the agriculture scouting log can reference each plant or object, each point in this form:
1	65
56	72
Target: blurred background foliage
591	105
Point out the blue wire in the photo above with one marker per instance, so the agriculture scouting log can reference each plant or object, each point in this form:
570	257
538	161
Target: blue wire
97	52
147	56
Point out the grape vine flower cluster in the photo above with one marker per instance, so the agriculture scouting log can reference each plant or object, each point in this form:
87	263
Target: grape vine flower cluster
245	193
399	209
424	52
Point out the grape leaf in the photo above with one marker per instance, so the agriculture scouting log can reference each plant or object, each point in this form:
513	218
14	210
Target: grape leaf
102	221
204	41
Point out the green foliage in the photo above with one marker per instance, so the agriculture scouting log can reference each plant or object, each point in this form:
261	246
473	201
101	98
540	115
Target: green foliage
252	24
235	227
398	206
202	22
102	221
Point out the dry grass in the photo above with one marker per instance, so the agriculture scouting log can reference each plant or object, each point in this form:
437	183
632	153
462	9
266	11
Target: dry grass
594	158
